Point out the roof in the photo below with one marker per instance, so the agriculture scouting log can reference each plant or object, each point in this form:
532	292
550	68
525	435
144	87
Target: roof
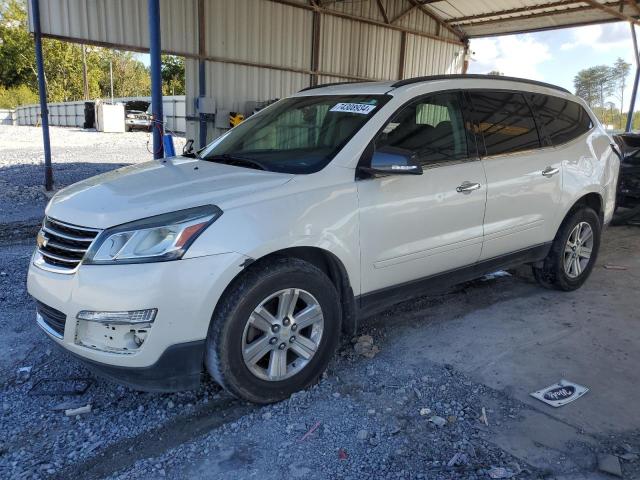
480	18
469	80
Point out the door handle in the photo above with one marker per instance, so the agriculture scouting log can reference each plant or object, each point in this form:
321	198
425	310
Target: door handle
550	171
467	187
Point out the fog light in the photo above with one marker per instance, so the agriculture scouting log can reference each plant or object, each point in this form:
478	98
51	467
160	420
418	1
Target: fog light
125	317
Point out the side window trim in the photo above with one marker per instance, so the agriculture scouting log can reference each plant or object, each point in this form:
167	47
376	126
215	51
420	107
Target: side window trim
462	102
481	148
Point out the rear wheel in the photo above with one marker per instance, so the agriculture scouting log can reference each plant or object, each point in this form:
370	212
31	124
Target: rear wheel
573	252
274	331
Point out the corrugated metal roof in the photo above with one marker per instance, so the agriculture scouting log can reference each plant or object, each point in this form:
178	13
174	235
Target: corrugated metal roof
477	18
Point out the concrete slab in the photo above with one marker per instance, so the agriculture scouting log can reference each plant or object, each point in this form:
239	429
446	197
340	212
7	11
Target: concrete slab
521	338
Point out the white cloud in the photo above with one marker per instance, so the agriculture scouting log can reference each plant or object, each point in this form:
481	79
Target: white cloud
602	38
517	56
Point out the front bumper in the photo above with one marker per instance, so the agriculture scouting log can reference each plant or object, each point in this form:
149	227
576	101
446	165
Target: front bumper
184	292
178	368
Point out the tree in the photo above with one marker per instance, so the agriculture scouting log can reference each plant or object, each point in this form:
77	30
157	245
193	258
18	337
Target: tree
62	64
620	73
594	85
173	75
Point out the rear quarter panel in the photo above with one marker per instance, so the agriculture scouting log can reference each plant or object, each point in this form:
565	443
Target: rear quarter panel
589	166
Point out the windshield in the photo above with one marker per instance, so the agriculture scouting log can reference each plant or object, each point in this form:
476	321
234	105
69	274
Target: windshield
296	135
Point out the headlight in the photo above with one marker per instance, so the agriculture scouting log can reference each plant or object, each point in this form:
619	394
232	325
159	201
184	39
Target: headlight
154	239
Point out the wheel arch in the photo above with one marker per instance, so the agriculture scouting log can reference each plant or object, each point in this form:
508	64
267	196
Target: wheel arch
328	263
592	200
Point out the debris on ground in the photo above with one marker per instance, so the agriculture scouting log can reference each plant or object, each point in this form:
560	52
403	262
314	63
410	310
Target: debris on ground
72	412
483	417
342	454
364	346
438	421
61	386
311	430
23	374
500	472
609	464
425	411
494	275
560	393
615	267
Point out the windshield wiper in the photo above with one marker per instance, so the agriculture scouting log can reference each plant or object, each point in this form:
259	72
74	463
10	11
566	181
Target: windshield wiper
236	160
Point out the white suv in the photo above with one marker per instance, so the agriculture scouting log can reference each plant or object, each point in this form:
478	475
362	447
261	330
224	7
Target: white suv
249	259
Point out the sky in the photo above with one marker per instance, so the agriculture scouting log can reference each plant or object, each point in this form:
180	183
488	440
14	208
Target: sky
555	56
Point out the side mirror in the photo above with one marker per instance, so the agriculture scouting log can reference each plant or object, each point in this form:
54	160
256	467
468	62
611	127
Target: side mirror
391	161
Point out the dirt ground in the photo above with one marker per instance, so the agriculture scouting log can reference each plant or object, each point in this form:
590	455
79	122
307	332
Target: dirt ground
446	397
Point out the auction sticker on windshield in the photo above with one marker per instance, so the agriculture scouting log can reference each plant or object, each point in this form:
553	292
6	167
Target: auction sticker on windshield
361	108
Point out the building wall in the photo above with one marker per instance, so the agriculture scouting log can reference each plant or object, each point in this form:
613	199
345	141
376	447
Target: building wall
260	50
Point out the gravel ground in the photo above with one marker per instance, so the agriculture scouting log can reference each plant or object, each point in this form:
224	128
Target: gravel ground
76	154
366	418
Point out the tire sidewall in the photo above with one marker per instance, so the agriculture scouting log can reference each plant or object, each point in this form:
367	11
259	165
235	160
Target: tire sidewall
582	215
238	378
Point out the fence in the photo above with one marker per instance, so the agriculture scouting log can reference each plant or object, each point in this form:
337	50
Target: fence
7	117
71	114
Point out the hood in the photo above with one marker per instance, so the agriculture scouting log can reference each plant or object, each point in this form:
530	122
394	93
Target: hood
157	187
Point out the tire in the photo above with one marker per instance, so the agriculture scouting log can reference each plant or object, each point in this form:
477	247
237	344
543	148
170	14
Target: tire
227	344
558	270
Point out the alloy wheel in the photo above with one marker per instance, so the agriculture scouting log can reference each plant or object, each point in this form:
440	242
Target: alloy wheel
282	334
578	249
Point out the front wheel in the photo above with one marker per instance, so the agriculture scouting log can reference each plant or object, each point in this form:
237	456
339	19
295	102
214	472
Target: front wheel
573	252
274	331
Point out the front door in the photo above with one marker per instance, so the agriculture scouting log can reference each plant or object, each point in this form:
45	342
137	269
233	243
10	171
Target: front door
415	226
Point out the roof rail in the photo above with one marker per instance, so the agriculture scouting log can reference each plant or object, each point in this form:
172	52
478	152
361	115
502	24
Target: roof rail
322	85
409	81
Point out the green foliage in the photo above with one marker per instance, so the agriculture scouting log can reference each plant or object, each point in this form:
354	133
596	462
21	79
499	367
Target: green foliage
14	96
64	66
596	85
172	75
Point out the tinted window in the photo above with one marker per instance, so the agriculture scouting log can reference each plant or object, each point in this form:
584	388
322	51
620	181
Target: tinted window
562	120
505	121
431	128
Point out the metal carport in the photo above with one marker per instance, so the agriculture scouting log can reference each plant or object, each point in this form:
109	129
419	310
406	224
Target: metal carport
242	52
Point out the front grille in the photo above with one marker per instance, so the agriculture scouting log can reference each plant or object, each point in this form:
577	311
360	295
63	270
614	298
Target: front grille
55	319
63	245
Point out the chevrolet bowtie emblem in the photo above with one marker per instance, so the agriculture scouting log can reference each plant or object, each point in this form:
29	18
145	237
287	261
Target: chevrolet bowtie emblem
41	240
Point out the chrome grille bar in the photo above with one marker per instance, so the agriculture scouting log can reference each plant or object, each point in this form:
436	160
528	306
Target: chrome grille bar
62	246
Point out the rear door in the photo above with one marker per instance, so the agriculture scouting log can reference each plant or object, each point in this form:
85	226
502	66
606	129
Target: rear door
415	226
524	176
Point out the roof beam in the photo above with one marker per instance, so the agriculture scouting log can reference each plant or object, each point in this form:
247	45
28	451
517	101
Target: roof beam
404	13
612	11
383	12
368	21
437	18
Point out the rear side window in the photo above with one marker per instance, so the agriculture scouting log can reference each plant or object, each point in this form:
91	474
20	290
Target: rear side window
562	120
431	128
505	121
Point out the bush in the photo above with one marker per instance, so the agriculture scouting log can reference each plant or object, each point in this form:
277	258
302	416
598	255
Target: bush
16	96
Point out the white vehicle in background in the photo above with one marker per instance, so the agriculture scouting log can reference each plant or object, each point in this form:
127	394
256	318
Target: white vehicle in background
249	260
